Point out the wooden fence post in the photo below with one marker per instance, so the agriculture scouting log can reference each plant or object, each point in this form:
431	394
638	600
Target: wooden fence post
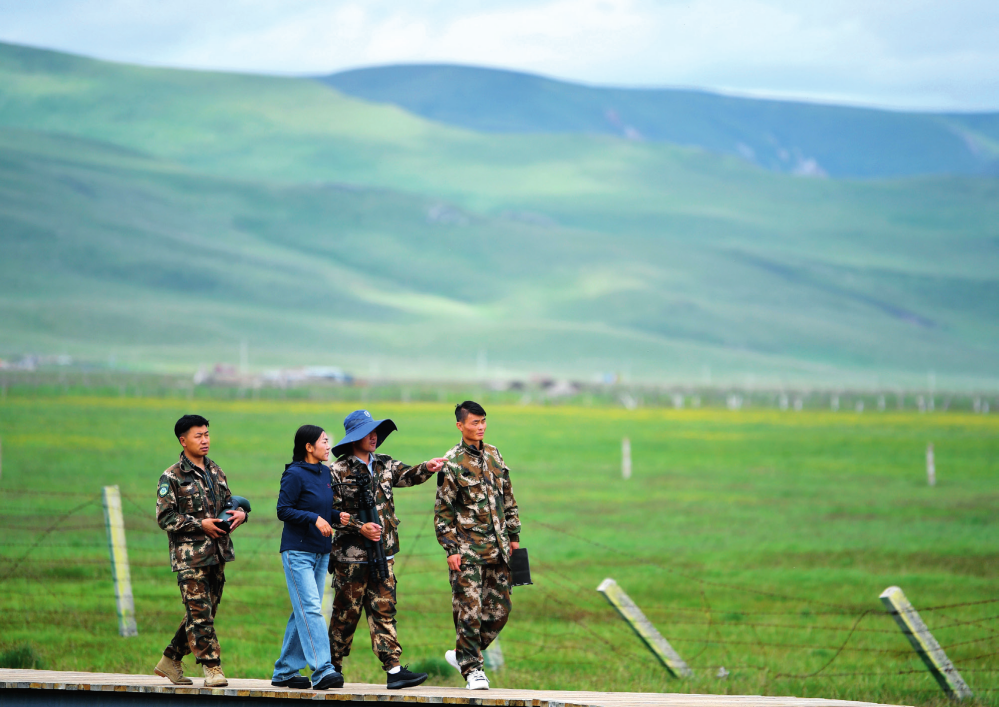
931	466
115	525
659	646
924	643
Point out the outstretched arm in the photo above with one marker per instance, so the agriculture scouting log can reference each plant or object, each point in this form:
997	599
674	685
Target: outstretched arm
404	475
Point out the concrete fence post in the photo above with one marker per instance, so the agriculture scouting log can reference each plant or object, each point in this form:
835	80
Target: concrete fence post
630	612
114	522
328	600
625	458
493	656
924	643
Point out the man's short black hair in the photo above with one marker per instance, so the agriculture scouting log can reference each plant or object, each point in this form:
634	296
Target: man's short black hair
187	422
469	407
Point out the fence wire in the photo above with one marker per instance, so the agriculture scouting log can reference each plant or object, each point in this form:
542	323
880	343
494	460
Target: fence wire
43	565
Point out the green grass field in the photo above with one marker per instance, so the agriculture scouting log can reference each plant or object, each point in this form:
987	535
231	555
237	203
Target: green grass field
755	540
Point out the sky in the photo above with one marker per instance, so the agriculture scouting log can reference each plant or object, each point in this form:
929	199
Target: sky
904	54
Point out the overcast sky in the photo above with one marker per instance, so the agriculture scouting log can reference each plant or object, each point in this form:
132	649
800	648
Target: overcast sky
903	53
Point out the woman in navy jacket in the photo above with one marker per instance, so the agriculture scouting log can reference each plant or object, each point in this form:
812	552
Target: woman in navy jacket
305	504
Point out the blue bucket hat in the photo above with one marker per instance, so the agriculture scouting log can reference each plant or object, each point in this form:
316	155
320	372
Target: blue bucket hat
359	425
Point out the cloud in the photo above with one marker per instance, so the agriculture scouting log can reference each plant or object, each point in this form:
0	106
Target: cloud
917	54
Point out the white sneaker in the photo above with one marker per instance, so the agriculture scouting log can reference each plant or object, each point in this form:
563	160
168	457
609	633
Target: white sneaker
477	680
452	659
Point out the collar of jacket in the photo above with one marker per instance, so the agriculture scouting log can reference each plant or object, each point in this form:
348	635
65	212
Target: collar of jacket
356	464
477	451
314	468
187	466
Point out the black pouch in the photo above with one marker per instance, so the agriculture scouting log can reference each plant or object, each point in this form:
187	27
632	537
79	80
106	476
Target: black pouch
520	567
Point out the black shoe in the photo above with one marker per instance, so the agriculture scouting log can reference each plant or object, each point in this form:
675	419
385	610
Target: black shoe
404	678
329	681
297	682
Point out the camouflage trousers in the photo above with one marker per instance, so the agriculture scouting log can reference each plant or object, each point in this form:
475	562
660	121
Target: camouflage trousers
480	604
201	592
356	590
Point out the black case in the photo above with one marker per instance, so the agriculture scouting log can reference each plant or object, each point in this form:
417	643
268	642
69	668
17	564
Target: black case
223	521
520	567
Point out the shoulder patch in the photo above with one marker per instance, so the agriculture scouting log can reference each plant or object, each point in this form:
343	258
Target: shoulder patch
163	490
440	478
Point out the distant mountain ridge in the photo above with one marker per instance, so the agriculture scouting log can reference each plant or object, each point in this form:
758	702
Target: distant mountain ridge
792	137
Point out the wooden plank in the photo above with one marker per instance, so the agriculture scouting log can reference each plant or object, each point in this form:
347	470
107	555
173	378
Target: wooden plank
630	612
358	692
924	643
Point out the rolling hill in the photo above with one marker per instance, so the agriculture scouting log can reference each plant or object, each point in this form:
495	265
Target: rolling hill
802	138
164	216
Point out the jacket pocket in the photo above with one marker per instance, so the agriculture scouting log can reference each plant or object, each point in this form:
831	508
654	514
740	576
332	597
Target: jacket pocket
189	499
471	489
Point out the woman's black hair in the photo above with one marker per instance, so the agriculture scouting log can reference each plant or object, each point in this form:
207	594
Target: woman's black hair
307	434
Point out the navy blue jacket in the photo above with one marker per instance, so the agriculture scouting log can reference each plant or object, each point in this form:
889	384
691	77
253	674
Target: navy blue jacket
306	493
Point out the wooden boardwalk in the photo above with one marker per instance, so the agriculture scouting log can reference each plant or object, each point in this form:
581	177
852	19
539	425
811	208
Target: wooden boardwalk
23	683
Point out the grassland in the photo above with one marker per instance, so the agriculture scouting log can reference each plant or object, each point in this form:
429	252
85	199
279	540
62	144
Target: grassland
131	198
755	540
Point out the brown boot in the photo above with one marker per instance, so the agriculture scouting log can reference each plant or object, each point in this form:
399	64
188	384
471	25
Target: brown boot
172	670
214	676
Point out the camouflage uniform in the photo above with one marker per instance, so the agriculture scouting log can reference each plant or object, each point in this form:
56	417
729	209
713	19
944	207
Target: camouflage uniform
185	496
476	517
355	589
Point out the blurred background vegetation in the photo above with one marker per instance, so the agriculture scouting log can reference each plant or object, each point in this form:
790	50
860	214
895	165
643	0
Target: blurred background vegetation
165	220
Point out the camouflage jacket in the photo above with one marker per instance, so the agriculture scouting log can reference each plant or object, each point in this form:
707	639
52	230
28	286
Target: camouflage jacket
476	515
348	545
184	497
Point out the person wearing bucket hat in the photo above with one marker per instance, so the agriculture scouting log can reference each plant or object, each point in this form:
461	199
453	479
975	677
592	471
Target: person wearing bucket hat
478	524
357	587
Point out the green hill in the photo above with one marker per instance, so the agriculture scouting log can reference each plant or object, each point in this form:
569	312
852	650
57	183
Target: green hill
164	216
778	135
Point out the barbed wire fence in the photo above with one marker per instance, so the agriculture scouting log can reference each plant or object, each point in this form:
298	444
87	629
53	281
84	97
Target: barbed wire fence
736	632
54	562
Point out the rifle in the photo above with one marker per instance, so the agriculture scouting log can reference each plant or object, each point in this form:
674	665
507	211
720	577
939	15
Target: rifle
368	513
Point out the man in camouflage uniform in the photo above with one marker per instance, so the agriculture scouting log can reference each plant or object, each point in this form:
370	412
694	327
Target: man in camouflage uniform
356	587
190	496
478	525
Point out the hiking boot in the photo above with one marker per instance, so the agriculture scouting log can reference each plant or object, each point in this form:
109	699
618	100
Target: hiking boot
295	682
172	670
477	680
452	659
404	678
330	680
214	676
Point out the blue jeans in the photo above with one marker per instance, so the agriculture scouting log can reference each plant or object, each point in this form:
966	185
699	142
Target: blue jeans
306	641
